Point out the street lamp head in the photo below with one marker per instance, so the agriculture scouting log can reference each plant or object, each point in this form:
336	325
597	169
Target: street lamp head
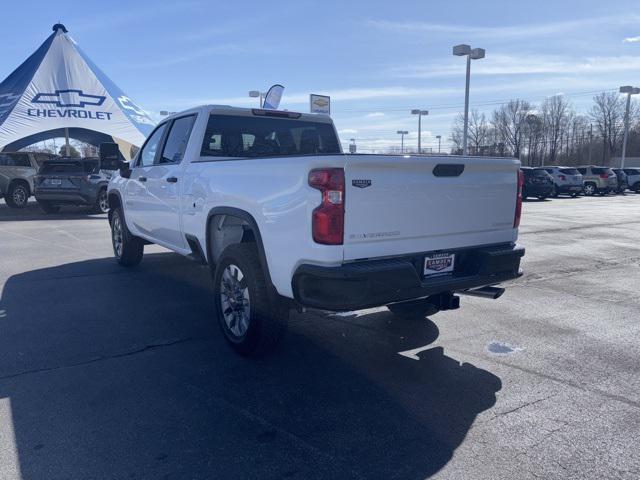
415	111
477	53
254	93
438	137
635	91
461	50
402	132
626	89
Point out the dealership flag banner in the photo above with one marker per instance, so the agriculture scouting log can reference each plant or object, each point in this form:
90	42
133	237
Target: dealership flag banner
59	87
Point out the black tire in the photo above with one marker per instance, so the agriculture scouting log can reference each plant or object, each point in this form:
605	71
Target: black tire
555	192
101	204
590	189
542	198
127	248
574	194
252	321
17	195
413	309
48	207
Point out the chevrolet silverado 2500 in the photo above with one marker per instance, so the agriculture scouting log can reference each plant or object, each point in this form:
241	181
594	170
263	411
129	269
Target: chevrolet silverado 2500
283	218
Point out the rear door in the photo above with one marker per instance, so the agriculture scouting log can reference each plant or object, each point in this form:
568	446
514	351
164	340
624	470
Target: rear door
404	204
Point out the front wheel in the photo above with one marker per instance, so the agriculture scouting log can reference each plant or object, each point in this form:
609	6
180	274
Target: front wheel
17	195
555	192
251	321
127	248
413	309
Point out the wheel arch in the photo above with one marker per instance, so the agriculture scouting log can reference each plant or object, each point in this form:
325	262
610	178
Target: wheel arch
250	233
24	181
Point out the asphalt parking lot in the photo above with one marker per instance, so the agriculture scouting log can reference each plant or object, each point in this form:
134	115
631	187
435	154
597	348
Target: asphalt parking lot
114	373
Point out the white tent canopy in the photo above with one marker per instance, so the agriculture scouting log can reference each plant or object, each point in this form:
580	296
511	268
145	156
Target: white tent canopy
58	87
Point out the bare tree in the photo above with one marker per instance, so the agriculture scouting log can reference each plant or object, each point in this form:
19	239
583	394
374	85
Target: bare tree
556	113
510	122
608	117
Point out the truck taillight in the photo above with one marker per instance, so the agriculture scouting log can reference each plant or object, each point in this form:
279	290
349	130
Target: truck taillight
562	177
516	220
604	175
328	218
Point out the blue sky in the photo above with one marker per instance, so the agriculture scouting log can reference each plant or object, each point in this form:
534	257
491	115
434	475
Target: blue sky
376	59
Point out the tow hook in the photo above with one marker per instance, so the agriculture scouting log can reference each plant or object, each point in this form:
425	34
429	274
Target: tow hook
492	293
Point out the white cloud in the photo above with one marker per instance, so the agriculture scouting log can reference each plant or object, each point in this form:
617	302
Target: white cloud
502	32
632	39
519	65
347	131
375	114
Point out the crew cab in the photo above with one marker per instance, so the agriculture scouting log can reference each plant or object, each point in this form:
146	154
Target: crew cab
284	219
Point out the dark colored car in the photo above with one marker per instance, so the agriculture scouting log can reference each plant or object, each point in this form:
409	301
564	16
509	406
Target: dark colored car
537	183
623	180
71	181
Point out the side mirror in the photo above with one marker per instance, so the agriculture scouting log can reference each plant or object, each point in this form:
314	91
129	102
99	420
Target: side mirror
110	157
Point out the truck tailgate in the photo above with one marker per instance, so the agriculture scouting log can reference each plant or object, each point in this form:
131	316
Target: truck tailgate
407	204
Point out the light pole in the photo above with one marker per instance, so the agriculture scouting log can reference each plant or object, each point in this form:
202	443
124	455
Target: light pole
257	94
420	113
629	90
471	54
439	137
402	133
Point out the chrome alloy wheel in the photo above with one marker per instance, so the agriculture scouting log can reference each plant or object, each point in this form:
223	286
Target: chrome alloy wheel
103	201
116	235
19	195
589	189
234	300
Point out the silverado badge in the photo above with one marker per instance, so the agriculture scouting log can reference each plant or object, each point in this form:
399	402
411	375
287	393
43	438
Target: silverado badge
360	183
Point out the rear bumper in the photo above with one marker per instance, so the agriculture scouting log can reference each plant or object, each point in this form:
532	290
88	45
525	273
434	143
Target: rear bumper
538	190
569	188
72	197
372	283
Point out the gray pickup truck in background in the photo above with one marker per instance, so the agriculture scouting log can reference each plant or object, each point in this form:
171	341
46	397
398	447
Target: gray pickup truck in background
16	176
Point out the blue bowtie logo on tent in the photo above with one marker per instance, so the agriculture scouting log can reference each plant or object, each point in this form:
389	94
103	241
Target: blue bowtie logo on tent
69	98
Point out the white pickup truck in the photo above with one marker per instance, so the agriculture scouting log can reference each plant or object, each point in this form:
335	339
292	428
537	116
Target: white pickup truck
284	219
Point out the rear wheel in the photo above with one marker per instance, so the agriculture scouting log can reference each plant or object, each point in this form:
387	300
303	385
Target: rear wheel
252	322
48	207
590	189
17	195
555	192
127	248
414	309
102	202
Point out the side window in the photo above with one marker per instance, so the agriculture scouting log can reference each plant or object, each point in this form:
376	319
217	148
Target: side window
148	152
582	170
177	140
20	159
4	160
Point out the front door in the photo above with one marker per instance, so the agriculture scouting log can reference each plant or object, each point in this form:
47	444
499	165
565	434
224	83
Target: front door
164	182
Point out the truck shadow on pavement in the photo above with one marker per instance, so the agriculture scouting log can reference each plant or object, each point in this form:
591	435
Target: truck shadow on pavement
114	373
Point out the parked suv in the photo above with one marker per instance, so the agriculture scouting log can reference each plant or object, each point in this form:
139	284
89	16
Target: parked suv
537	183
16	176
600	180
565	180
72	181
623	182
633	178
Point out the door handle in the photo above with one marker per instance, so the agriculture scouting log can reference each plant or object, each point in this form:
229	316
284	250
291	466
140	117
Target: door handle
172	179
142	179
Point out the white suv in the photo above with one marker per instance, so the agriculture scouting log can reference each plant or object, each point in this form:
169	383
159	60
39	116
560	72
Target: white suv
567	180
